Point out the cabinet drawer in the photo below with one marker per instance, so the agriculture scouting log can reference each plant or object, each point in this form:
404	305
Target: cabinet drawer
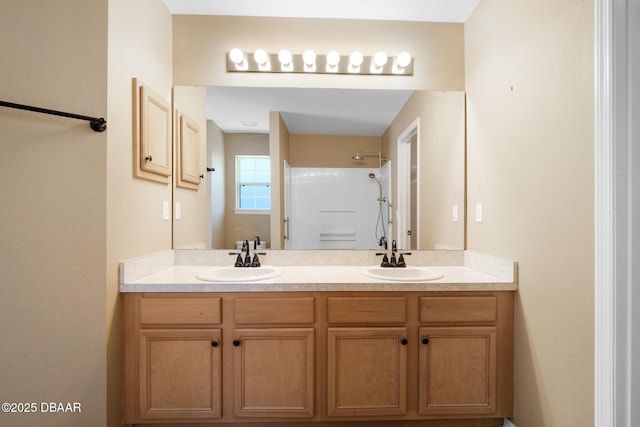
367	310
273	310
176	311
458	309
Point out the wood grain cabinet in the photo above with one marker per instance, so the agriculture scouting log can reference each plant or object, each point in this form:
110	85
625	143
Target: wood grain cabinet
367	371
465	363
151	134
274	372
180	373
367	364
419	357
457	370
173	359
274	356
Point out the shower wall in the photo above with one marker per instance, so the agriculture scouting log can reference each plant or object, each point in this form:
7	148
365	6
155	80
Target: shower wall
335	208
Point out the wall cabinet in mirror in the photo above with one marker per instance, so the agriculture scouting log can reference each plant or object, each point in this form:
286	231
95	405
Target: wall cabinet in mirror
188	152
151	134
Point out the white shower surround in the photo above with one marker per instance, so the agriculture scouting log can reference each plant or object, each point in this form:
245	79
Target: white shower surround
335	208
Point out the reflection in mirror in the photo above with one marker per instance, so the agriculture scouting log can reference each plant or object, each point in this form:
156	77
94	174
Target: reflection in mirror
332	197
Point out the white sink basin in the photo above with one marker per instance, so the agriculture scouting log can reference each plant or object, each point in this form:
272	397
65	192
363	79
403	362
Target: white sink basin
406	274
239	274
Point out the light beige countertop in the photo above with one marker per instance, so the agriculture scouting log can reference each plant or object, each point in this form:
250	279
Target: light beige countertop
176	271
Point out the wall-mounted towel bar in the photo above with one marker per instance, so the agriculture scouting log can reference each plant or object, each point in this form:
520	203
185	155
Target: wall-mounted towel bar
97	124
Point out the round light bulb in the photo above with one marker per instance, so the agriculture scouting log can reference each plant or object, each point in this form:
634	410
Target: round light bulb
285	57
236	55
260	56
404	59
309	57
355	59
333	57
380	59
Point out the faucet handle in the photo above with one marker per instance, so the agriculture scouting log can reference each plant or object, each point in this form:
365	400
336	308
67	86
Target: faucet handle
239	262
256	261
401	262
385	259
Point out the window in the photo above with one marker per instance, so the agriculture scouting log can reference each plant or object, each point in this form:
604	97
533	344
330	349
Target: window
253	183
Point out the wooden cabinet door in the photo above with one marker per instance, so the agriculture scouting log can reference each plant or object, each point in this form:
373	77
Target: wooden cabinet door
180	373
274	372
457	370
367	371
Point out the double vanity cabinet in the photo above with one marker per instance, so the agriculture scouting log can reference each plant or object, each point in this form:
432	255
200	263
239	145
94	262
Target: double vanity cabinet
318	356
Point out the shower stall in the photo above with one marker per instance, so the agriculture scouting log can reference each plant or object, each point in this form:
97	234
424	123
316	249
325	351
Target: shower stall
337	208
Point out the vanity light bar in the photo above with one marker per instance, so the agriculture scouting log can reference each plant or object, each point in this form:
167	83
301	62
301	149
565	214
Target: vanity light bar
309	62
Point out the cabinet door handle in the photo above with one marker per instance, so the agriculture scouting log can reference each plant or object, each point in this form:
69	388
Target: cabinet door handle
425	340
404	341
214	343
149	158
236	343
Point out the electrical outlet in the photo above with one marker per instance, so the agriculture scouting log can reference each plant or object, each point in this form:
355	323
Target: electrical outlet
178	211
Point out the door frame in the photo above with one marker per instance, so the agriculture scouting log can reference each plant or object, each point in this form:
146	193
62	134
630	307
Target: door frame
403	209
617	342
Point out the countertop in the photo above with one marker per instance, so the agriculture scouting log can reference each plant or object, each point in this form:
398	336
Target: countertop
165	272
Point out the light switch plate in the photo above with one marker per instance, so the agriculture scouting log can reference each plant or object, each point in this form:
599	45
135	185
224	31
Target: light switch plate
478	212
178	211
454	213
165	210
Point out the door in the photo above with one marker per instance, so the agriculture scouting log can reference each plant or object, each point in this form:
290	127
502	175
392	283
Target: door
367	371
457	370
180	374
274	372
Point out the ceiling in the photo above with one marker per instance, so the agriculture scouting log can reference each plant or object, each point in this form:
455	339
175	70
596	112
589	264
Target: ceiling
362	112
386	10
316	111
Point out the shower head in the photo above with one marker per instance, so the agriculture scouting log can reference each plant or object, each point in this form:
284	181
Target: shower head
357	156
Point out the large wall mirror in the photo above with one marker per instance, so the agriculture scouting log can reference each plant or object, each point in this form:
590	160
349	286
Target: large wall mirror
344	168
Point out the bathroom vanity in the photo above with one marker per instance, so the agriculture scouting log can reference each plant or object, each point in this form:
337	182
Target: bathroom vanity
321	343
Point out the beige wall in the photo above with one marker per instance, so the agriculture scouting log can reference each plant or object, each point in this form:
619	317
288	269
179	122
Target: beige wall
201	43
74	210
441	165
530	84
331	151
216	208
191	229
53	222
140	43
243	226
